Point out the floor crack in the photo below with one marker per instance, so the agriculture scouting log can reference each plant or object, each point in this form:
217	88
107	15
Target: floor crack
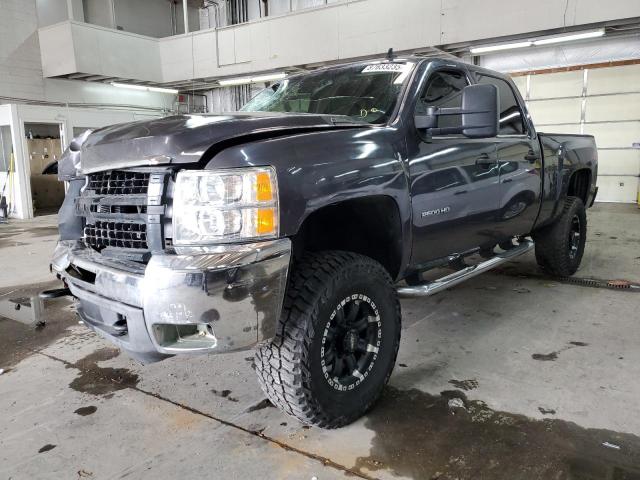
327	462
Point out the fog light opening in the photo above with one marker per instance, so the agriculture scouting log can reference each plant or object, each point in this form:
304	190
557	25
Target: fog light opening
197	336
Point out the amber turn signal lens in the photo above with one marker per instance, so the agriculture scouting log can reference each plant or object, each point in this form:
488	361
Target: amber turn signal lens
264	190
266	221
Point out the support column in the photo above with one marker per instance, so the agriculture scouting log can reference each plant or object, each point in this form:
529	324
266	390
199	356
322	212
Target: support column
185	16
75	10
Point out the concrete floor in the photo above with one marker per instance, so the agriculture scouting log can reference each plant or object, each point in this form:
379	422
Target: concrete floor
510	375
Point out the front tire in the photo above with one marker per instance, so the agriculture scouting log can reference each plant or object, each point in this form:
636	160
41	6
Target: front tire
337	340
560	246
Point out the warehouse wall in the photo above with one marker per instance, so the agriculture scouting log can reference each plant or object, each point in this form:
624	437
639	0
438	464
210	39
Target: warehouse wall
146	17
603	101
342	30
21	78
51	11
21	75
99	12
20	65
595	51
152	18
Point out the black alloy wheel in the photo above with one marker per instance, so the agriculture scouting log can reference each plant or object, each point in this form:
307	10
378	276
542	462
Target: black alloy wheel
575	234
350	342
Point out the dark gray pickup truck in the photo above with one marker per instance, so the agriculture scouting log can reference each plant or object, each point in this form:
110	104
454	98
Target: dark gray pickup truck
296	224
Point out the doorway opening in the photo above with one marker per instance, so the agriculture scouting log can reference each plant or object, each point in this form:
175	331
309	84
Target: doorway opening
44	146
7	169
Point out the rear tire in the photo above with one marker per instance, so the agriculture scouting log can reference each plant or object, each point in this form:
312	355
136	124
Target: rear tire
560	246
336	342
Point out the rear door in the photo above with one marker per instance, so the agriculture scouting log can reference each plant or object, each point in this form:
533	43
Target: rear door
454	180
520	163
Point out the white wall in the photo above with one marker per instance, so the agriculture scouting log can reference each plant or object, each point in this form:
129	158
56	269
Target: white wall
81	47
538	58
337	31
99	12
152	18
51	11
20	64
146	17
21	76
21	67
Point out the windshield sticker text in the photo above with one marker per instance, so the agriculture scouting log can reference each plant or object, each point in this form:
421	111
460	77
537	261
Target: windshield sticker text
385	67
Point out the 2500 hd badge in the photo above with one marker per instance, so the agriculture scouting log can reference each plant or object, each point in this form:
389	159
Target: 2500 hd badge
437	211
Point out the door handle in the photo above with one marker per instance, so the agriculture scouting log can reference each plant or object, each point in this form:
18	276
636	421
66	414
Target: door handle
484	161
507	180
531	156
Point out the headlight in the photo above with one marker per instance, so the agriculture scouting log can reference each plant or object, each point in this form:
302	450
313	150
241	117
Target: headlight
218	206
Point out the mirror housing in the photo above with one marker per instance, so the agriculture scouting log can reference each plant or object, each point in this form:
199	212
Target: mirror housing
479	113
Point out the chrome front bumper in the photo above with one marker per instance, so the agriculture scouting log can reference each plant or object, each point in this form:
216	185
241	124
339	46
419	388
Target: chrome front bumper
199	300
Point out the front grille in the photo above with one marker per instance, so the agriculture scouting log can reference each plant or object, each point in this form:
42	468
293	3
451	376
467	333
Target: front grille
125	212
119	182
102	234
127	209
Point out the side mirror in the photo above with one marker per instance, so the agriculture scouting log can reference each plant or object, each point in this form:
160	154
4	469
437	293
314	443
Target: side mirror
427	120
480	111
479	114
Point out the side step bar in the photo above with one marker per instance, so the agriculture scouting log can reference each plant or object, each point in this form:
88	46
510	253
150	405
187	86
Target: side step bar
460	276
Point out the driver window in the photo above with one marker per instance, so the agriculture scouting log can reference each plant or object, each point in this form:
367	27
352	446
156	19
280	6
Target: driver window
443	89
511	117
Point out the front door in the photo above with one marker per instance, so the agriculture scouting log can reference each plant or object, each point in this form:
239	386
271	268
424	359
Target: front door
454	180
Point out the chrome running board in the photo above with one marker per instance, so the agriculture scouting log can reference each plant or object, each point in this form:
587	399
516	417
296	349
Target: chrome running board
455	278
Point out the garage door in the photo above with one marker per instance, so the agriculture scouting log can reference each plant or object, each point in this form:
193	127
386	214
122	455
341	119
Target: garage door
604	102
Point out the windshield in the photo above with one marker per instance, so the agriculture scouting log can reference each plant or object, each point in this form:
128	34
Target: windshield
367	92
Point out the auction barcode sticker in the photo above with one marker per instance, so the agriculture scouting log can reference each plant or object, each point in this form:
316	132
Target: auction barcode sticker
385	67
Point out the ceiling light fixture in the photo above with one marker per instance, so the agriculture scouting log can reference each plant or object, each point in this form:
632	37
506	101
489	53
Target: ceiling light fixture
267	77
144	88
163	90
540	41
501	46
127	85
235	81
570	38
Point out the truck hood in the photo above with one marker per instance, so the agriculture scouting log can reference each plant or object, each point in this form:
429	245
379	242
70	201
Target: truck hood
184	139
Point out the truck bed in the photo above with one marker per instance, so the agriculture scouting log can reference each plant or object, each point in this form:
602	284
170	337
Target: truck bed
570	168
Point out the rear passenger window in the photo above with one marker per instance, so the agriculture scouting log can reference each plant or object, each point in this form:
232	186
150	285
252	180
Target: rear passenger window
443	89
511	118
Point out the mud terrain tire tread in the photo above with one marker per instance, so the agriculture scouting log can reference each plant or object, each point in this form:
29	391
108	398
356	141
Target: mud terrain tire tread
552	242
283	364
